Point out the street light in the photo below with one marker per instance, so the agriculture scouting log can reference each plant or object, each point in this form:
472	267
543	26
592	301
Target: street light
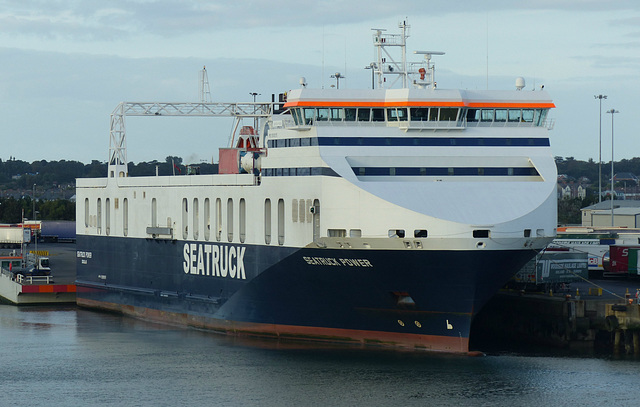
600	97
254	94
612	111
337	75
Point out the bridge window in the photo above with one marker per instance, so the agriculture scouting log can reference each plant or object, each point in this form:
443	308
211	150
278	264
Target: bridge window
487	115
378	115
501	115
527	115
337	114
419	113
448	114
322	114
308	115
514	115
364	114
350	114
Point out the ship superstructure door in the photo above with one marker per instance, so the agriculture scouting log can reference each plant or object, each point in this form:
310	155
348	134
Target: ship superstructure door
316	219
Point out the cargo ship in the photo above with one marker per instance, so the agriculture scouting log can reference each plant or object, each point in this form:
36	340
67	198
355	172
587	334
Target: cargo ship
382	217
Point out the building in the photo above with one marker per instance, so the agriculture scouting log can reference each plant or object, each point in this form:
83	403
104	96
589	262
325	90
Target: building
625	214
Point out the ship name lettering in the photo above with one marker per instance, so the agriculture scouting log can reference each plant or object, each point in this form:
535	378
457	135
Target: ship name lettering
214	260
83	255
331	261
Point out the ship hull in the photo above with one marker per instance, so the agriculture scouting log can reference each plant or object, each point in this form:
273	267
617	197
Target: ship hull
416	299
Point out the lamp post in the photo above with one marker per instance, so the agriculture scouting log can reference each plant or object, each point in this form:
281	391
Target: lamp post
600	97
612	111
337	75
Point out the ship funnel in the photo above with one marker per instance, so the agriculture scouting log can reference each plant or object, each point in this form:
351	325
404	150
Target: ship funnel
520	83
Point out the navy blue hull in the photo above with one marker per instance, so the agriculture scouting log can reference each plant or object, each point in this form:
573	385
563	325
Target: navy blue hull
420	298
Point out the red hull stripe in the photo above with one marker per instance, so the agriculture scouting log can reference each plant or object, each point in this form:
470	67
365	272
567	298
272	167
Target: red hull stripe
49	288
434	343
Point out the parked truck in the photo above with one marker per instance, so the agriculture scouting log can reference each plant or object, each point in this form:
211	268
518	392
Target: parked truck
58	231
13	236
551	271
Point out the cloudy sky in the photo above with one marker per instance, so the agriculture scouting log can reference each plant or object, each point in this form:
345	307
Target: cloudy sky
65	65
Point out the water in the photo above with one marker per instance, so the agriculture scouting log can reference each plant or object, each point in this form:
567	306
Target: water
74	357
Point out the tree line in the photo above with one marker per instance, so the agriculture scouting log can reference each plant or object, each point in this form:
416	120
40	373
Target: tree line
20	176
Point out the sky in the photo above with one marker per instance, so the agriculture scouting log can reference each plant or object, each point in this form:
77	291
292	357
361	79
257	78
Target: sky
65	65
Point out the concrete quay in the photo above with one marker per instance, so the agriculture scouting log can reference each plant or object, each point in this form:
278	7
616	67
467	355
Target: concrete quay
598	314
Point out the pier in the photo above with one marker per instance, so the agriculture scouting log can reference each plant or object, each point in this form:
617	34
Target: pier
594	315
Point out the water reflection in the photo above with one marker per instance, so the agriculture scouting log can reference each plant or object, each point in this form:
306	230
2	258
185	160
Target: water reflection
78	357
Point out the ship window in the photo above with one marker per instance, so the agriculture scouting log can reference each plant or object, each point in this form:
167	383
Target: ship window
473	115
481	233
337	232
243	220
527	233
196	219
302	210
322	114
487	115
294	210
378	115
448	114
420	233
501	115
540	232
350	114
99	216
355	233
419	113
107	216
281	221
125	216
230	220
392	114
308	116
86	212
514	115
433	114
218	219
207	219
396	232
267	221
154	213
364	114
527	115
337	114
185	219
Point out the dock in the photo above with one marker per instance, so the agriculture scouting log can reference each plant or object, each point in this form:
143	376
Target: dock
591	315
21	290
59	287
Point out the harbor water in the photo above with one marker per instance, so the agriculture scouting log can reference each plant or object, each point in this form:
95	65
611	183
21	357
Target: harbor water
66	356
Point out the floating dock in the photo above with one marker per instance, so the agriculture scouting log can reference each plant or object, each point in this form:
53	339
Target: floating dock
21	290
